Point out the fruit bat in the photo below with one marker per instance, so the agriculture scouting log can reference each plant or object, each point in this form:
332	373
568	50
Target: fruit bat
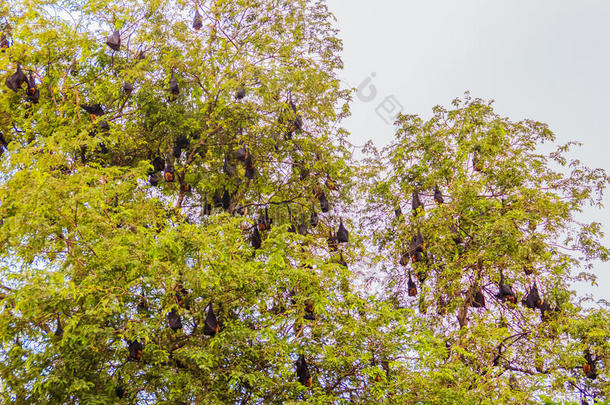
128	88
532	300
158	164
309	311
256	238
505	292
33	92
197	21
175	322
250	170
169	172
240	93
438	196
181	296
182	141
313	219
16	80
303	371
226	200
421	275
154	179
95	110
412	288
478	300
210	327
264	222
342	234
135	350
114	41
590	367
416	203
324	205
173	85
228	167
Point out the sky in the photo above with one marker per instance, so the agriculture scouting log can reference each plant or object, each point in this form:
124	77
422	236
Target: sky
546	60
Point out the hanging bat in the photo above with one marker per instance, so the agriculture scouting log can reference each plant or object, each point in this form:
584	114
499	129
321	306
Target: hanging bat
264	222
16	80
590	366
158	164
309	311
114	41
505	292
154	179
412	288
135	350
173	85
324	204
478	299
438	196
206	208
94	110
197	21
256	238
532	300
303	371
416	203
240	93
210	327
175	322
342	234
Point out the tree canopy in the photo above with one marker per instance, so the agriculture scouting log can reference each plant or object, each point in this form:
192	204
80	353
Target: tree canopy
183	222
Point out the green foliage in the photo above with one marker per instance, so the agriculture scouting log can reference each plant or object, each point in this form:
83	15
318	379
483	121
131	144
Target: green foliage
134	180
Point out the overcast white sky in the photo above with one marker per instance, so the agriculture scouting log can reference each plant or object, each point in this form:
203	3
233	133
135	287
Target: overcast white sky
547	60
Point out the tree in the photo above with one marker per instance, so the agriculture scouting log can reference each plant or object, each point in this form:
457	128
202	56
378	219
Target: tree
149	201
478	232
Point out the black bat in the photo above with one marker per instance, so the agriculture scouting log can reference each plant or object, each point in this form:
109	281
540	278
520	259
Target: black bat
175	322
158	164
154	179
532	300
264	222
479	300
411	287
303	371
173	85
210	327
250	169
342	234
256	238
505	292
197	20
240	93
114	41
206	208
438	196
96	110
309	311
16	80
135	350
416	203
324	204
